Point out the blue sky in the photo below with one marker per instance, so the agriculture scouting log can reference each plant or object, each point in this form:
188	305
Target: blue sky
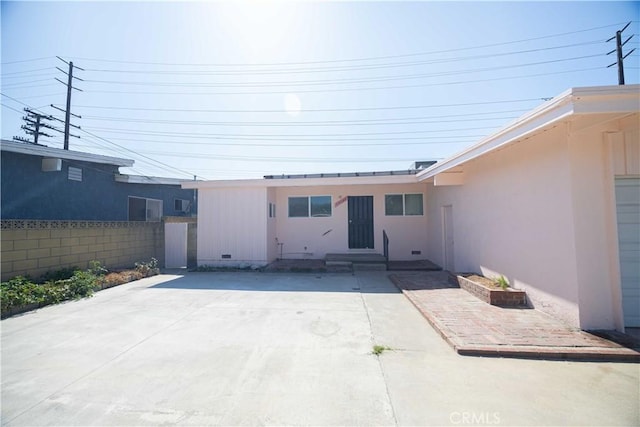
230	90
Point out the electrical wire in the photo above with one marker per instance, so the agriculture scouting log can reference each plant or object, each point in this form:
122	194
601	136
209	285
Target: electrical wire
364	122
314	110
356	59
329	81
199	93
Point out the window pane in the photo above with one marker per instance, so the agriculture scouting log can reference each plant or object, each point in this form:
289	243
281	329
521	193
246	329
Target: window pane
137	209
298	206
321	206
154	210
393	204
413	204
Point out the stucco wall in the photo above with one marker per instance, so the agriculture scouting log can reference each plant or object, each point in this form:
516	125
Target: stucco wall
541	213
317	236
506	221
232	221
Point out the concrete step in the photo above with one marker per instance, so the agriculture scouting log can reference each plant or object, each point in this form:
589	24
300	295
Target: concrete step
369	266
356	257
345	264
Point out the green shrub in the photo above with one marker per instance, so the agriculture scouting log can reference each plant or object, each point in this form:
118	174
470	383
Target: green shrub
20	291
61	274
83	284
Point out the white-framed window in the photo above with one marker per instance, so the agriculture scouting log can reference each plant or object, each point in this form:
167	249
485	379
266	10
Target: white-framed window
272	210
403	205
142	209
309	206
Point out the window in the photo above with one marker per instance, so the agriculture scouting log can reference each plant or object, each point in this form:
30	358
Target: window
272	210
298	207
181	205
320	205
141	209
403	204
314	206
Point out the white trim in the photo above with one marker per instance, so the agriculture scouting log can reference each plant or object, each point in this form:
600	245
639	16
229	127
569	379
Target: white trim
303	182
39	150
620	100
138	179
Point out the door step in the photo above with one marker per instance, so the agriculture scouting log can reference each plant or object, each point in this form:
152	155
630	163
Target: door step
369	266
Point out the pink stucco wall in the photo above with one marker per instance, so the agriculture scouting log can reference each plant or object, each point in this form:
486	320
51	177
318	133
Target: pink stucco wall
541	212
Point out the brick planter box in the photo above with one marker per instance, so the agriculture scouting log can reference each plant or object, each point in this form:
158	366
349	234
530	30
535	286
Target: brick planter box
492	295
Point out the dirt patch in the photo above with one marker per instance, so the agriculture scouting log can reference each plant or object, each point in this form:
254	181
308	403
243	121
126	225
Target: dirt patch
482	280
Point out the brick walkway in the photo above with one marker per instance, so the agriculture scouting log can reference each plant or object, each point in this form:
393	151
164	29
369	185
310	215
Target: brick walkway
473	327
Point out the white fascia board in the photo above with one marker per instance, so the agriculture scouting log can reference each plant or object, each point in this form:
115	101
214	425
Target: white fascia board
57	153
303	182
138	179
590	100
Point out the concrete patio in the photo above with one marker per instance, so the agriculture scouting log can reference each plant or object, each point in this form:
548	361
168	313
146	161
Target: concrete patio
251	348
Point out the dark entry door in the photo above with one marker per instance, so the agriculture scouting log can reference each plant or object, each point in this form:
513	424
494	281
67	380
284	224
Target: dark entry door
360	222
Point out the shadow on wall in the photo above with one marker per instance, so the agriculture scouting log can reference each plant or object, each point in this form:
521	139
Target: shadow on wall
278	282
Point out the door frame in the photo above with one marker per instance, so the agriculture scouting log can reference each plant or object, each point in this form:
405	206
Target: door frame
369	222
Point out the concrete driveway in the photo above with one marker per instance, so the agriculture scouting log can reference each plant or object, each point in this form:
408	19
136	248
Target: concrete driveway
280	349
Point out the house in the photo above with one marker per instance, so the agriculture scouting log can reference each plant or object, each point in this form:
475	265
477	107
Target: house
45	183
550	202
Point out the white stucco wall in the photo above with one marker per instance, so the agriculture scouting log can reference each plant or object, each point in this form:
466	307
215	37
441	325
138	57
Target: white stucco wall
541	213
315	237
232	221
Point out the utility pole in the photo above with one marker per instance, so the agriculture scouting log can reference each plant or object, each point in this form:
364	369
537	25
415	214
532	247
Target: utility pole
67	111
620	55
34	123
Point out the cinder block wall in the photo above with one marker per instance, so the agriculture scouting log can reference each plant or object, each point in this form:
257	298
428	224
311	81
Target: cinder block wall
30	247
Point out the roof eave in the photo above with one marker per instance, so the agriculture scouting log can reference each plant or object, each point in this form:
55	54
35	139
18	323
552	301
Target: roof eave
302	182
591	100
48	152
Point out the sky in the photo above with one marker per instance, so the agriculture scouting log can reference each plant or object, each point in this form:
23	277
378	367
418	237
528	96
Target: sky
243	89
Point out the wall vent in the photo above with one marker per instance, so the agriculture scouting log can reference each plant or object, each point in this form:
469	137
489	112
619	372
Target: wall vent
226	256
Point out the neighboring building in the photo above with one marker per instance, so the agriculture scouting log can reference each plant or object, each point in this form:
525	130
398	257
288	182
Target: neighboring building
44	183
551	202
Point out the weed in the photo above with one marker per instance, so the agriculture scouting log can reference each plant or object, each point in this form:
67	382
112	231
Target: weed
502	282
379	349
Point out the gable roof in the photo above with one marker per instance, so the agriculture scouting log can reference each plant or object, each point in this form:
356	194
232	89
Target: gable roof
49	152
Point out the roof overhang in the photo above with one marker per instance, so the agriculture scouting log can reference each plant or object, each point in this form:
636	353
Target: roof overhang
302	182
57	153
138	179
612	102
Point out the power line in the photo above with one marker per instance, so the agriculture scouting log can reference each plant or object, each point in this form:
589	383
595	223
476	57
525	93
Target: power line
355	59
137	153
27	60
326	137
331	81
321	123
292	71
113	143
394	142
315	110
199	93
